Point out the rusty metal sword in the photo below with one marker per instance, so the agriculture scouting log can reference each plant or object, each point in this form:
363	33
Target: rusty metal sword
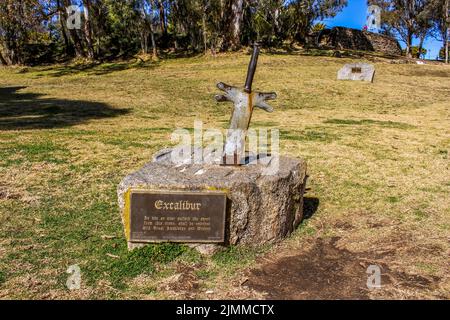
244	102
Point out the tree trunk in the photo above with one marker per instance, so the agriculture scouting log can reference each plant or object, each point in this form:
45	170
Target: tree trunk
152	36
67	45
88	29
276	17
3	60
73	34
152	33
149	23
78	44
419	52
446	49
62	20
408	44
205	37
175	33
236	23
162	16
144	42
10	51
447	8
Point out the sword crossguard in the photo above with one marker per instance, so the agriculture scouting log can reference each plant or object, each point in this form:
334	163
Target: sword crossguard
244	101
233	94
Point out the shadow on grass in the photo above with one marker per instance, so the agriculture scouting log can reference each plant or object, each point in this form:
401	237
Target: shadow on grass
181	54
20	111
310	206
368	122
96	68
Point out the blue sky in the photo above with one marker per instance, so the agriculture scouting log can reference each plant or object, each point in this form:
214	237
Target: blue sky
354	16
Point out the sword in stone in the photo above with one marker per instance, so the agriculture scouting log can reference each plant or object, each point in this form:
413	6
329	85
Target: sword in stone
244	101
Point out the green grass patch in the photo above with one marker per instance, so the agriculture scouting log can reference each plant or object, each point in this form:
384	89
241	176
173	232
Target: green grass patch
46	151
2	277
428	268
206	274
308	135
75	133
305	229
192	256
131	264
420	215
443	153
236	256
393	199
124	143
155	130
264	124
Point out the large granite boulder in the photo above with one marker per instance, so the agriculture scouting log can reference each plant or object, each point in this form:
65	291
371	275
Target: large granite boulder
260	208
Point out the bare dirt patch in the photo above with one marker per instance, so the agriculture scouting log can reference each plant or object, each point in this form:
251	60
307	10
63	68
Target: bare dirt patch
6	194
184	281
327	272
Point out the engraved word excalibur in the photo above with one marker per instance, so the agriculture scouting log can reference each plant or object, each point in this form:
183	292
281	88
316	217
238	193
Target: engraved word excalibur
244	102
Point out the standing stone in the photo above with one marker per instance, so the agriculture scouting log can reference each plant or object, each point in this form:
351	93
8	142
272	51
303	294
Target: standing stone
357	71
260	208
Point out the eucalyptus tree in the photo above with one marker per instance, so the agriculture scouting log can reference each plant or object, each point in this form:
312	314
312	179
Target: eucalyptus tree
405	18
111	28
19	22
301	15
440	11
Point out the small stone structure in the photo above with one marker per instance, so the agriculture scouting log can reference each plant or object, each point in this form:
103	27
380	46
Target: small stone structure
353	39
261	208
357	71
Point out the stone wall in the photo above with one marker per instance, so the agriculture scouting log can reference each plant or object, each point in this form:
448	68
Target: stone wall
353	39
383	43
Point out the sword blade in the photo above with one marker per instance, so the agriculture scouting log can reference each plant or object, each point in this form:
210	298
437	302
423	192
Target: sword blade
252	69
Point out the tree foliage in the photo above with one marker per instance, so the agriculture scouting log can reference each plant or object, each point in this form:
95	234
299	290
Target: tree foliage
33	31
409	19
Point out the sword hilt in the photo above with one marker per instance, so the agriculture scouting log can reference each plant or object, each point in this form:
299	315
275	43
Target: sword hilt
252	69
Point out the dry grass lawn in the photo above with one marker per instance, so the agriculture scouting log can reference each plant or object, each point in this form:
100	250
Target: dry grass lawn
379	186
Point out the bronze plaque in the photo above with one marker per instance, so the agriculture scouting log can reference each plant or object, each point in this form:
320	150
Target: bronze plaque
160	216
